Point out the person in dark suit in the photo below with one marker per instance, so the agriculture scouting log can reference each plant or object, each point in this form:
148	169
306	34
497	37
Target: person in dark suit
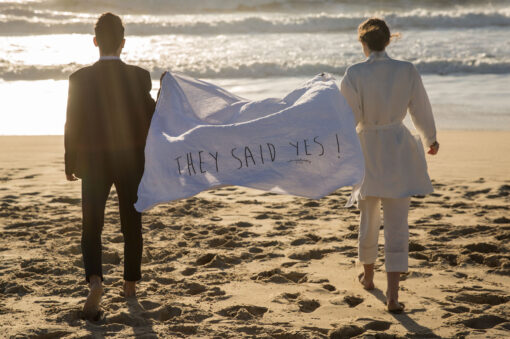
108	116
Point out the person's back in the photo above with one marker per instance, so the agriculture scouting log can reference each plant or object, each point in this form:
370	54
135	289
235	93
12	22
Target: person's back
386	86
112	109
108	116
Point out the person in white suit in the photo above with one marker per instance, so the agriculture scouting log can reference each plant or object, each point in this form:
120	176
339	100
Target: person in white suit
381	91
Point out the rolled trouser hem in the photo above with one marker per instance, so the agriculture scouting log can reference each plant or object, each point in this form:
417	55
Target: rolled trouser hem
133	277
367	261
397	262
367	257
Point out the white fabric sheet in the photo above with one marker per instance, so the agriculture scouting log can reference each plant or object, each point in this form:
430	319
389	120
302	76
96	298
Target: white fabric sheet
201	137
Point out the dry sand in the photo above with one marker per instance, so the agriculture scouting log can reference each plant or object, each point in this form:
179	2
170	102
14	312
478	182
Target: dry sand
235	262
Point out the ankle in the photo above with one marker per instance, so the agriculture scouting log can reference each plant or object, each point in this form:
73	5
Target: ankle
391	297
93	283
368	272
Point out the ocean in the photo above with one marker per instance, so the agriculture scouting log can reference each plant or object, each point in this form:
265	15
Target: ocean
257	49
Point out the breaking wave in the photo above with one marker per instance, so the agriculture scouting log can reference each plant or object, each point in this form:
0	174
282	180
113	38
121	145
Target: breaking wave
9	72
22	22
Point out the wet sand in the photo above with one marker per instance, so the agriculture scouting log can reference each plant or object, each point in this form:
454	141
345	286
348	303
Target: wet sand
235	262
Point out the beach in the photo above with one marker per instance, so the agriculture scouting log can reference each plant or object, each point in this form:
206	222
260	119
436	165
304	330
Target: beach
235	262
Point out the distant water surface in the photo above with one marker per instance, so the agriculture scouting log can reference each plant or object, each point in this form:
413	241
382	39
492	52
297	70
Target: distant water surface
257	48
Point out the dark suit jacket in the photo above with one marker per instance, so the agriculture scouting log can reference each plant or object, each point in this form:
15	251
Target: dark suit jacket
109	111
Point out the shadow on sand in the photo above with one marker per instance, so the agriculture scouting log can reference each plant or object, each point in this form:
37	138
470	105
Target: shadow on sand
409	324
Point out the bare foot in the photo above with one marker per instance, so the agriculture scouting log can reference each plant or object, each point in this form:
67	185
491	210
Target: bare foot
368	285
129	289
367	277
395	307
392	293
91	307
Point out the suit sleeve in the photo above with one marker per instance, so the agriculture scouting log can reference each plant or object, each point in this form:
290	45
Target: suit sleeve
71	127
351	95
420	109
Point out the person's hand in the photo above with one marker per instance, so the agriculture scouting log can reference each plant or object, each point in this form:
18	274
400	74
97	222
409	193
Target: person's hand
160	82
434	148
162	76
71	177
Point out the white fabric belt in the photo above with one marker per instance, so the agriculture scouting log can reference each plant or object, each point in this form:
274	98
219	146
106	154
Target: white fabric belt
363	127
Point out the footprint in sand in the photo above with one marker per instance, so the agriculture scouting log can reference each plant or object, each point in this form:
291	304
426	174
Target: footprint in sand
481	248
193	288
457	309
183	329
483	322
415	247
310	254
480	298
308	305
217	261
329	287
376	325
353	300
279	277
66	200
471	194
307	239
289	296
188	271
502	220
451	259
470	230
346	331
168	312
243	312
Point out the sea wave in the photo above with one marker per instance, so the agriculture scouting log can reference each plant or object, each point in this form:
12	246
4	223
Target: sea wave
201	6
65	23
10	72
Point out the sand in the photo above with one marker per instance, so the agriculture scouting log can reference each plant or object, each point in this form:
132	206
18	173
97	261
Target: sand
235	262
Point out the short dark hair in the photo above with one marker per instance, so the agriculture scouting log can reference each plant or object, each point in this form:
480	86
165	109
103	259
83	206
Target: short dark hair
375	33
109	33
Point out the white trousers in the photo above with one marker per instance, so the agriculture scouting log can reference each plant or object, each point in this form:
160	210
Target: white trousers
396	232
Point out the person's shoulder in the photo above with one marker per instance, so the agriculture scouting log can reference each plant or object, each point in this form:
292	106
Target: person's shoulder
137	70
354	70
81	73
403	64
356	67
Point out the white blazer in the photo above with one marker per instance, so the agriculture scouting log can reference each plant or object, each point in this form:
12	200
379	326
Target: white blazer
380	91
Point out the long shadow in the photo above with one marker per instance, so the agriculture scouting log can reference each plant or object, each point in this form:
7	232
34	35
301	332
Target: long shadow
136	311
409	324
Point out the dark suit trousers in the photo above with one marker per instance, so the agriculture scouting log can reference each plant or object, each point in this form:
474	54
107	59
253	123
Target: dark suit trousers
96	185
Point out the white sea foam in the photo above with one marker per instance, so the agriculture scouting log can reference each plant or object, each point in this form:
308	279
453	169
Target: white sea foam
222	6
9	72
243	43
29	22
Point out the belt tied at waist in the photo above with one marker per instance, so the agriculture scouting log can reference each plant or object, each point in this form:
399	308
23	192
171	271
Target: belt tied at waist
364	127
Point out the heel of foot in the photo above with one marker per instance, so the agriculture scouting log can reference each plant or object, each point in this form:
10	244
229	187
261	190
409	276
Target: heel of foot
366	285
91	307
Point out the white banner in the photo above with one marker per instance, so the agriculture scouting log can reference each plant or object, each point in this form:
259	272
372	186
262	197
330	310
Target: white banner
201	136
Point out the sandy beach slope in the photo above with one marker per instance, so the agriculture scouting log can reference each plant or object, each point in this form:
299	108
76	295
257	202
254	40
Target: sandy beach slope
235	262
